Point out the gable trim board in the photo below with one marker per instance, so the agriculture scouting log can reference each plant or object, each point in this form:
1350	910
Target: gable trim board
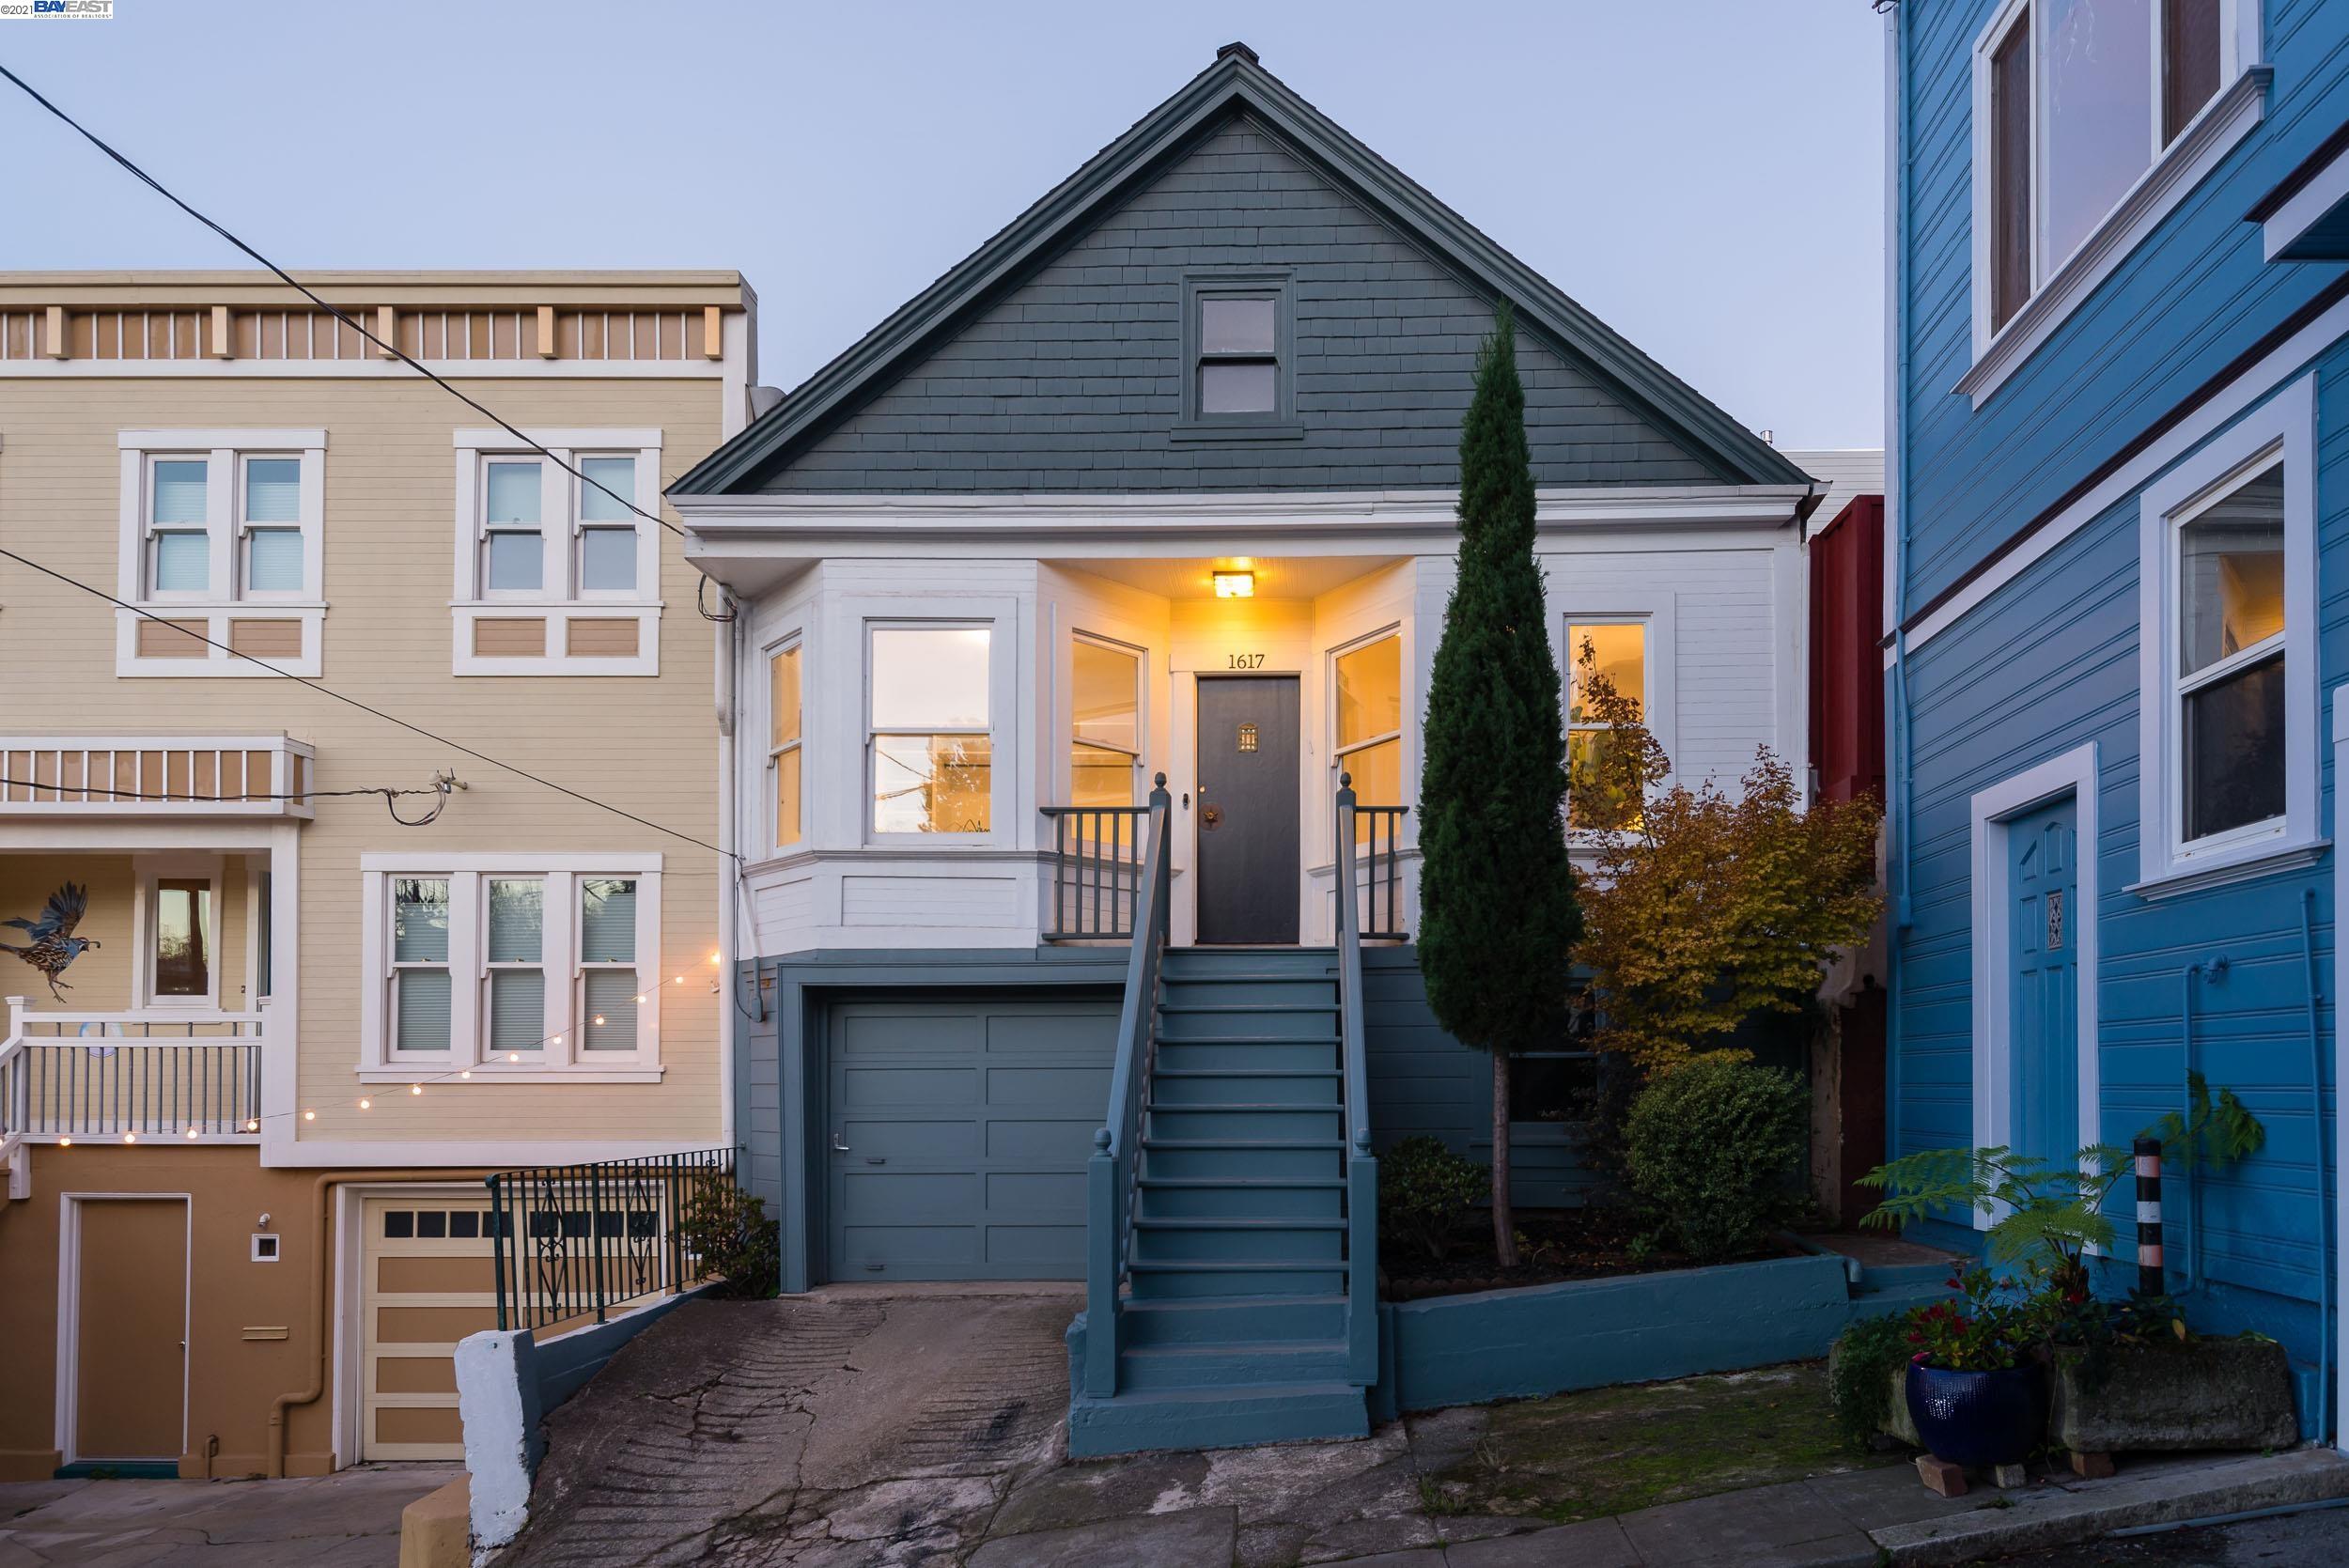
1234	85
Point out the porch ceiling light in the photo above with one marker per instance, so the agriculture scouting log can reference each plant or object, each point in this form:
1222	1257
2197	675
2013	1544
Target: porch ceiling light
1235	584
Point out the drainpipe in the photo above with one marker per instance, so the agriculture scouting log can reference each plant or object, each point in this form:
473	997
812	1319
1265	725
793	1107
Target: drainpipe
316	1321
2212	969
728	884
2324	1189
1896	519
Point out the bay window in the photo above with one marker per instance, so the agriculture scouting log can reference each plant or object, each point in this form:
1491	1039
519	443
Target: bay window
786	721
1105	724
1369	683
929	730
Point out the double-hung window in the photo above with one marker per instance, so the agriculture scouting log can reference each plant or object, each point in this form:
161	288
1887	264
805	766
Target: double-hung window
558	564
1369	681
514	965
1239	352
1104	723
929	732
221	548
1616	651
787	722
2229	748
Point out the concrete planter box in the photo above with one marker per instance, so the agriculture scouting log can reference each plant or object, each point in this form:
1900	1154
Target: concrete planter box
1589	1333
2199	1394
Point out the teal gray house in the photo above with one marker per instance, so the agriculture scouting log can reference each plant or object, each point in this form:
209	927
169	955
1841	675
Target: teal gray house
1160	483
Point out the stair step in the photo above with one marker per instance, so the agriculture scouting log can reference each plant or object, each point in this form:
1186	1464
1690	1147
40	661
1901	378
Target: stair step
1247	1023
1203	1197
1145	1418
1247	1006
1162	1278
1247	1055
1302	1242
1327	1041
1242	1160
1318	988
1244	1364
1313	1088
1228	1319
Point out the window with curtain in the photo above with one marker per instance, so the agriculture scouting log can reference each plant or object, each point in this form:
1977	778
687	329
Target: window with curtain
513	544
783	745
607	527
932	752
1105	724
272	525
607	961
181	927
1617	651
420	963
1369	683
2231	647
515	924
178	521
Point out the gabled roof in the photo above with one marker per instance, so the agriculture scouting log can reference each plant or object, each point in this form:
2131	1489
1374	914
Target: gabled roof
1236	83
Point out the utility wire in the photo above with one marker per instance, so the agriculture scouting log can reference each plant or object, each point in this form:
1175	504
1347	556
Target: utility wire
389	350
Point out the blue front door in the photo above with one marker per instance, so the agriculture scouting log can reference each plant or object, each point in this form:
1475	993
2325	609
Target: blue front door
2043	986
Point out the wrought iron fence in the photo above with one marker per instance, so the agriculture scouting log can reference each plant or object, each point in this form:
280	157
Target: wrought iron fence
1097	865
573	1242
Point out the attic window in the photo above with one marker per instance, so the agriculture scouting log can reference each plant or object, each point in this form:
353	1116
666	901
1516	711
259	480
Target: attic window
1237	343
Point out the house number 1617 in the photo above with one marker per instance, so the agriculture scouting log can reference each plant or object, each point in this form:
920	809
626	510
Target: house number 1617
1243	662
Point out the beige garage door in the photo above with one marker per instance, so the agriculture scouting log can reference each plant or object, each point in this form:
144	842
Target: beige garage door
428	1282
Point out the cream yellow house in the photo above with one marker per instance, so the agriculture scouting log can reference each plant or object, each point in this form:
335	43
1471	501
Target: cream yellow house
291	1026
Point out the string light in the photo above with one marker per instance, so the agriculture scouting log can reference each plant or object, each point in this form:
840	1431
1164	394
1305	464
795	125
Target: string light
467	1073
415	1089
599	1017
253	1125
309	1115
517	1056
64	1142
365	1104
639	1002
130	1137
680	980
190	1132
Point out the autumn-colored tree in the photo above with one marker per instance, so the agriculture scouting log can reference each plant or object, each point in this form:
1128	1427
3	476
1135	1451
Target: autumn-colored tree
1705	907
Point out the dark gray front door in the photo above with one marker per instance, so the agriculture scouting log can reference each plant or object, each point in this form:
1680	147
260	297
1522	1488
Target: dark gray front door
1247	817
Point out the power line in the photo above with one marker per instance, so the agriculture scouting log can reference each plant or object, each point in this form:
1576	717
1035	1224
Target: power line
441	785
390	349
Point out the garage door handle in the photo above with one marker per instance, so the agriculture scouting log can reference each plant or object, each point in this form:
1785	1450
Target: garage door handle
876	1159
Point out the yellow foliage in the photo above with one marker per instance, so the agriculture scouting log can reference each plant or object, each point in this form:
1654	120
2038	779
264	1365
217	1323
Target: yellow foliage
1707	907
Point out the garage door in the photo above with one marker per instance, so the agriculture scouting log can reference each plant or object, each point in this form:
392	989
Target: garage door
428	1279
959	1136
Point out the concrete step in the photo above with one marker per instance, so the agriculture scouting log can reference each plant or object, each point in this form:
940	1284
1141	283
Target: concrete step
1141	1420
1248	1239
1185	1086
1241	1364
1210	1198
1264	1278
1232	1319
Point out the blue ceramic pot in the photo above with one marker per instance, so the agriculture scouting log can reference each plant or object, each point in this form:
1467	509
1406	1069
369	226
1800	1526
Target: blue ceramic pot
1977	1418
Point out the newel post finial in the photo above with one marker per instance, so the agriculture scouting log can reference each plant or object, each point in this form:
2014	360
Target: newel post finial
1345	781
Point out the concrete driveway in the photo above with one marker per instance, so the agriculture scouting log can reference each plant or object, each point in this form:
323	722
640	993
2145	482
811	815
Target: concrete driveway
348	1520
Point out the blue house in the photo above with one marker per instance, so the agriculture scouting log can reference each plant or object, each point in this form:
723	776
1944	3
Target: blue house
2118	478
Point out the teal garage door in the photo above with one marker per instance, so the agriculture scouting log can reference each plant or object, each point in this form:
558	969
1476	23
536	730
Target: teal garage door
959	1133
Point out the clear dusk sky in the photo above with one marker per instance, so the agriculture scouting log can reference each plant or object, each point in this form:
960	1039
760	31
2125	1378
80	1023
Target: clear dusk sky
1704	175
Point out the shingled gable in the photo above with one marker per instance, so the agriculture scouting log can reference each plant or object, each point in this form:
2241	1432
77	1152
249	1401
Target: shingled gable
1632	421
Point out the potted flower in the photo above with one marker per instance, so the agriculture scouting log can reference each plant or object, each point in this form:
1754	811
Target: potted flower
1973	1388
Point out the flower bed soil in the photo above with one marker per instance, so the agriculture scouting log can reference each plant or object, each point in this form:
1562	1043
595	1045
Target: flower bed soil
1557	1246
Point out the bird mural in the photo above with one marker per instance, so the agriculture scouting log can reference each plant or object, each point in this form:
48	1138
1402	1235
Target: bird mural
53	946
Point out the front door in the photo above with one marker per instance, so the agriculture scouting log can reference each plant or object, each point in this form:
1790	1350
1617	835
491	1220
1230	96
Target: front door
1248	810
131	1330
2043	987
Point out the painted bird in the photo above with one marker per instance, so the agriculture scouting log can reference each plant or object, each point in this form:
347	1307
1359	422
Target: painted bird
53	945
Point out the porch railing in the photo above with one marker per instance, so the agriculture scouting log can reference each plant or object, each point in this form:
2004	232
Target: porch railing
1362	1169
1376	874
1111	1174
192	1077
573	1242
156	775
1096	867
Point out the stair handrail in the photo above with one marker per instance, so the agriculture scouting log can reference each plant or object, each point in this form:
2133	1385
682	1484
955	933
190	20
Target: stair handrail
1362	1169
1111	1172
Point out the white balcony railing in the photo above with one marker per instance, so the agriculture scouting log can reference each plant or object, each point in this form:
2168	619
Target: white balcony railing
181	1077
155	775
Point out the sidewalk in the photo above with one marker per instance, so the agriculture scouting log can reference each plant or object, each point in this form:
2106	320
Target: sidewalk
347	1520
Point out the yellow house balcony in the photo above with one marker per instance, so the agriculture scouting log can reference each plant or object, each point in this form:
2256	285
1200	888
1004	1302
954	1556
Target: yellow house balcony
123	776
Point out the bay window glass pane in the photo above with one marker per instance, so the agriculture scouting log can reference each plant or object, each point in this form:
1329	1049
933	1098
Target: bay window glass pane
179	491
421	1002
2231	574
2097	93
1370	693
1239	386
1589	806
1619	651
517	560
183	562
1377	774
787	798
615	474
517	920
1099	777
607	920
420	919
932	783
183	920
1105	702
518	1010
273	561
612	1009
784	675
513	492
2234	749
1236	326
607	559
273	489
930	678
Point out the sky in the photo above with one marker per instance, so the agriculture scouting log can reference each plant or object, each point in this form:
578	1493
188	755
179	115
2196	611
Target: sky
1705	176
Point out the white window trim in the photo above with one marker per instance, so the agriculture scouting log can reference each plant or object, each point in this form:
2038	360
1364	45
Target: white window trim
149	870
794	640
1065	766
1991	810
2238	106
2282	430
225	452
558	601
999	618
561	1058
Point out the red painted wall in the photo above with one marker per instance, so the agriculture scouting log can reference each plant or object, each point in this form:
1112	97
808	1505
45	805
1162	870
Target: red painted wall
1846	663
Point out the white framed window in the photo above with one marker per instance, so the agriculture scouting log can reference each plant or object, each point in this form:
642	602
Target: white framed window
555	570
929	735
786	727
1616	647
220	545
511	966
176	934
1105	721
2093	119
1366	719
2227	700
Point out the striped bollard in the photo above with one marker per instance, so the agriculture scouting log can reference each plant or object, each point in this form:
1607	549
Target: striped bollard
2149	1280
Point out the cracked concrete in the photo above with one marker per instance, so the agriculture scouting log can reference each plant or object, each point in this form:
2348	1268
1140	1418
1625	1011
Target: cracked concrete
348	1520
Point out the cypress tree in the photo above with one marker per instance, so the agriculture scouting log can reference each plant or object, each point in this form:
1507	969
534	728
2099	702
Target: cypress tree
1498	916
